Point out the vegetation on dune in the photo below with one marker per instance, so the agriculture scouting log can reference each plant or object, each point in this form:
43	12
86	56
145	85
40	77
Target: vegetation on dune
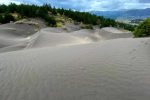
6	18
50	20
48	14
126	26
86	26
29	11
91	19
143	30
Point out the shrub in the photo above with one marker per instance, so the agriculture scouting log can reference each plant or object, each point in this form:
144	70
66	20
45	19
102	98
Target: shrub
6	18
50	20
87	27
143	30
58	24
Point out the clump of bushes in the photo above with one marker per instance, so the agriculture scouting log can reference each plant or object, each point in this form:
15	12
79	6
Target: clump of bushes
143	30
86	26
126	26
50	20
58	24
6	18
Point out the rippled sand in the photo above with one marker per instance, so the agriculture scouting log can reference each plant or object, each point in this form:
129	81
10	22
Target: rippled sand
117	69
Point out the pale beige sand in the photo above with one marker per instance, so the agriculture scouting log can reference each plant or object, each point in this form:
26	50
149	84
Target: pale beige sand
102	34
89	35
109	70
57	64
113	33
20	36
16	36
114	30
49	37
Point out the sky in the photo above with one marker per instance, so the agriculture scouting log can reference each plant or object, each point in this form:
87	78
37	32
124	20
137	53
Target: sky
88	5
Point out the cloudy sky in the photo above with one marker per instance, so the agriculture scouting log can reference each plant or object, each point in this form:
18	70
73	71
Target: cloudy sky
88	5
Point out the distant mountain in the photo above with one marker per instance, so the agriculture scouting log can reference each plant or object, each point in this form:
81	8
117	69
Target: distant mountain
108	14
124	14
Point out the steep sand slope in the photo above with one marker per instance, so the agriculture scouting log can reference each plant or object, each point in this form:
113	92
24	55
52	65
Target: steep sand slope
87	34
110	70
16	36
113	33
55	37
102	34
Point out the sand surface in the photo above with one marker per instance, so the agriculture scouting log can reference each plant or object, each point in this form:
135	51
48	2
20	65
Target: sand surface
23	36
16	36
76	65
49	37
112	70
113	33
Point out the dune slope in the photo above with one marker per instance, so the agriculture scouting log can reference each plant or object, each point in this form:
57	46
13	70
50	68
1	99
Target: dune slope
24	36
114	33
16	36
49	37
110	70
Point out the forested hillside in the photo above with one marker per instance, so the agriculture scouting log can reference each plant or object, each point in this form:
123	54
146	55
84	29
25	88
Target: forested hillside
48	14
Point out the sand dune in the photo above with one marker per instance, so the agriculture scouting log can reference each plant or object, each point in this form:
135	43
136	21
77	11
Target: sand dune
59	37
89	35
21	36
16	36
102	34
111	70
113	33
56	37
56	64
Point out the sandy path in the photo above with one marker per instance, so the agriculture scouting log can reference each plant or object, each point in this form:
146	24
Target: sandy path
110	70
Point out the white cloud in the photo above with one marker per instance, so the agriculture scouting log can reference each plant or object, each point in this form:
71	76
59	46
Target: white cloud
85	5
9	1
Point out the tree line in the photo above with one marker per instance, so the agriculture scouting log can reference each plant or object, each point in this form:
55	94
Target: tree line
92	19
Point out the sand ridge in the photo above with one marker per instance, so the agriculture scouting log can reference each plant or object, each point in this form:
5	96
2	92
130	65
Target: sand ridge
24	36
